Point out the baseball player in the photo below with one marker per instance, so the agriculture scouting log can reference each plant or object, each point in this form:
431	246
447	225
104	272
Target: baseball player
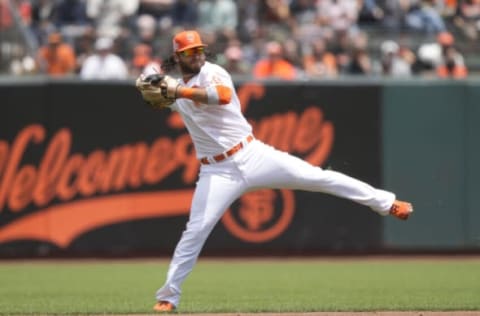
232	160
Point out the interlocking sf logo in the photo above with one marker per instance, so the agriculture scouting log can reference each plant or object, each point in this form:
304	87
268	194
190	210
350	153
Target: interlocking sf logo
73	193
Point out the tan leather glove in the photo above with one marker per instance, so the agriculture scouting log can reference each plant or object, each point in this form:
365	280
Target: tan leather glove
151	92
169	87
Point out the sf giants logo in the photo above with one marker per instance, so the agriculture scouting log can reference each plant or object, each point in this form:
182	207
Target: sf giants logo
261	215
73	193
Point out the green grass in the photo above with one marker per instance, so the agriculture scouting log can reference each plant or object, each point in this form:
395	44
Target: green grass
123	287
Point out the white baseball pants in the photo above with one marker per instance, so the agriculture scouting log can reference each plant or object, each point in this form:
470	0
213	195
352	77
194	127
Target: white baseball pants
256	166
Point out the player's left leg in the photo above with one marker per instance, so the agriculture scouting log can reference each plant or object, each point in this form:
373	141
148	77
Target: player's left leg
276	169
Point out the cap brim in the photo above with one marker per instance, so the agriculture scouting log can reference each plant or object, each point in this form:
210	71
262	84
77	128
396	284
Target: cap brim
190	46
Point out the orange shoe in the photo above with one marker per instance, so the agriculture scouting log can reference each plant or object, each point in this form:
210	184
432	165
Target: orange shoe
164	307
401	209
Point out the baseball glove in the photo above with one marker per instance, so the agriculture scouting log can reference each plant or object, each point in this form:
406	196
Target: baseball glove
149	87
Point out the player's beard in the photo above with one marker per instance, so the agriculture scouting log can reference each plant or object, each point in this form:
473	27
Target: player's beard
191	69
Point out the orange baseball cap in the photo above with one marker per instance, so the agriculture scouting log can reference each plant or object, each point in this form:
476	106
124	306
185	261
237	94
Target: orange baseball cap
187	39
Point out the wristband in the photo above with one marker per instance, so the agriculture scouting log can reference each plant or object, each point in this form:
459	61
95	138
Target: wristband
212	95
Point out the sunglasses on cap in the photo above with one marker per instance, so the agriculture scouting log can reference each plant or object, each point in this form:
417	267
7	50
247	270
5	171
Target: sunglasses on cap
192	51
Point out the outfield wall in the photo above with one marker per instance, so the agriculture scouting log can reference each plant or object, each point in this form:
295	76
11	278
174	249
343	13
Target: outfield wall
86	168
431	153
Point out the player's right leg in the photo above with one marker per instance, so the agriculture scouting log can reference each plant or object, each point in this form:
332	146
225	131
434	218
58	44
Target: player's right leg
213	195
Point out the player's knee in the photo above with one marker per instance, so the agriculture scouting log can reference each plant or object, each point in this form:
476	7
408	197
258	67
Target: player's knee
312	175
198	229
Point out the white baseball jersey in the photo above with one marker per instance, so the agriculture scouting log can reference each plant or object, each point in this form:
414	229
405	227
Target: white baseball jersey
213	128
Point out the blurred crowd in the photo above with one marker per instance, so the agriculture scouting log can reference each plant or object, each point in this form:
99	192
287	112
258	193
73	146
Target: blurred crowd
285	39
